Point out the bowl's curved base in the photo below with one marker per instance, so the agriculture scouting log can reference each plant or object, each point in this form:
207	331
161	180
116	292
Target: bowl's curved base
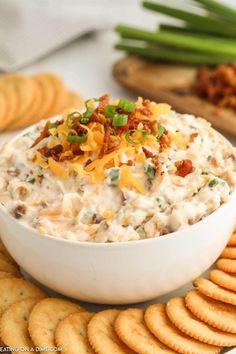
121	273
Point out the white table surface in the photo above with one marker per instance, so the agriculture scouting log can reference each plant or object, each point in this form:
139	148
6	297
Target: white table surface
86	64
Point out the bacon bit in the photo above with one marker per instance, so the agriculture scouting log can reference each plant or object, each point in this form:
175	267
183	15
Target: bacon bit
130	163
146	110
108	145
56	149
164	231
44	134
79	129
147	152
22	192
98	118
87	162
214	162
76	150
103	102
112	145
184	167
45	151
39	179
14	172
64	158
106	142
19	211
157	165
192	137
123	129
164	141
53	152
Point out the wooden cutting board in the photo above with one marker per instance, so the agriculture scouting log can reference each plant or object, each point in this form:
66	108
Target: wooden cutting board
171	84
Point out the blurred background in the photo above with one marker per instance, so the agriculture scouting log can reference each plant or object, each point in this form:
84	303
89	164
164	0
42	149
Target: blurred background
75	39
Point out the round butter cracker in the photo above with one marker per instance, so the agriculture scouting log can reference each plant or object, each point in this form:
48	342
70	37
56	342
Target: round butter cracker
190	325
17	289
59	94
3	108
227	265
102	335
71	334
14	325
212	290
213	312
47	93
4	275
229	252
22	86
8	259
4	251
131	329
223	279
8	267
11	99
232	241
45	317
159	324
31	116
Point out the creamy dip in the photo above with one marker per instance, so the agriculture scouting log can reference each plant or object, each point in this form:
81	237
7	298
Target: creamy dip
133	172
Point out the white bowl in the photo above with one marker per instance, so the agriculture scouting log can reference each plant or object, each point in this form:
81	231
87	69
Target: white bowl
120	273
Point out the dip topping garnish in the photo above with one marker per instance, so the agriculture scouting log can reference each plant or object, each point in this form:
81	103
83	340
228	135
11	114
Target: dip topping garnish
184	167
87	143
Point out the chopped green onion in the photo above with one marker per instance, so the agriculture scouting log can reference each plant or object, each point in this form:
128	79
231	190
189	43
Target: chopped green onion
87	216
78	139
209	158
88	112
126	105
31	180
161	130
114	175
205	214
90	99
141	230
131	141
110	111
150	171
159	201
213	183
119	120
73	115
52	125
70	117
84	120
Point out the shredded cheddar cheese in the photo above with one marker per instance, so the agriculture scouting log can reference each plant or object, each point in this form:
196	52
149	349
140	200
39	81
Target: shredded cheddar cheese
40	160
178	139
89	144
109	214
128	180
58	169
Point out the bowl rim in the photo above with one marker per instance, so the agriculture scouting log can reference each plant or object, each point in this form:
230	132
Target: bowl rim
86	244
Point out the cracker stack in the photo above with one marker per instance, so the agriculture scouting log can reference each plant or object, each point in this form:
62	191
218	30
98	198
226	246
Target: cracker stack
202	322
24	100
